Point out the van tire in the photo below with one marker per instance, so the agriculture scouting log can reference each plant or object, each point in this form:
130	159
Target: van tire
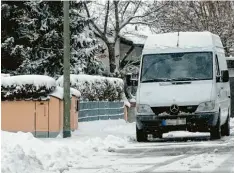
141	136
225	129
215	132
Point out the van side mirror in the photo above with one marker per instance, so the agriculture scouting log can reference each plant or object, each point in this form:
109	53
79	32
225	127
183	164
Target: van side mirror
225	76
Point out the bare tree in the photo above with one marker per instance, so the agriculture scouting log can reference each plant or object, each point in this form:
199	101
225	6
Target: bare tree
110	18
214	16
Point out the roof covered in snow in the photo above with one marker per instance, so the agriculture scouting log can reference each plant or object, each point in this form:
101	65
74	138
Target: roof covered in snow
137	34
180	42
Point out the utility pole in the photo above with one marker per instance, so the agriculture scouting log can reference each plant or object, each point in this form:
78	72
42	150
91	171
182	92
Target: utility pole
66	71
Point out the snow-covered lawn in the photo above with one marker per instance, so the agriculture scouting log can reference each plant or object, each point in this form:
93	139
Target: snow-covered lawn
98	141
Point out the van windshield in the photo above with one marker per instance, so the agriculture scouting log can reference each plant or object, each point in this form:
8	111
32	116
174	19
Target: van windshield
177	67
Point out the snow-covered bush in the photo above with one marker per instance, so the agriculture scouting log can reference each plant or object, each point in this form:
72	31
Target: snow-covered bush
94	88
26	87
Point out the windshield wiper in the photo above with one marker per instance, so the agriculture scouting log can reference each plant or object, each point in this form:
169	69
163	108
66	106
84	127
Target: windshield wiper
156	80
184	79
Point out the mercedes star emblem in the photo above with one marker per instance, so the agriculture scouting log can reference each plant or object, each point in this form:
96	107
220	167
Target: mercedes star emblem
174	109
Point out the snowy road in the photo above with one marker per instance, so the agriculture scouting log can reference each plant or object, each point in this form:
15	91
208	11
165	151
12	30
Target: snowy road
110	147
195	153
162	156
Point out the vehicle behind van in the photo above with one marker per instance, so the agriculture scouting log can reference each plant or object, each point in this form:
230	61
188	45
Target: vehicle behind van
183	85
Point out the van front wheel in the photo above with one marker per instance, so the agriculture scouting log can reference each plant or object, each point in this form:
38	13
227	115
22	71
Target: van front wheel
141	136
215	132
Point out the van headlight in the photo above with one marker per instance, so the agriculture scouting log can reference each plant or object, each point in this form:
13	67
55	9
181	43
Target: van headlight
206	106
144	109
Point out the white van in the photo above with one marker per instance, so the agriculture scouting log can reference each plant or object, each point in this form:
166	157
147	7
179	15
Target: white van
183	85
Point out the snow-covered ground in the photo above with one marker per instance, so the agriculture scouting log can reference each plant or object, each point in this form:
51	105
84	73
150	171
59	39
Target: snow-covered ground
109	146
21	152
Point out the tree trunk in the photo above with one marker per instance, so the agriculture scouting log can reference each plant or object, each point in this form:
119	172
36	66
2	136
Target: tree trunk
111	51
117	53
226	48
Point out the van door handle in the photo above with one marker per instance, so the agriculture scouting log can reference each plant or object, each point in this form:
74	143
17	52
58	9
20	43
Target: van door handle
221	88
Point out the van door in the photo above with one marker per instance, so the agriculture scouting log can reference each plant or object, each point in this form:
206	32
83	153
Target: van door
221	93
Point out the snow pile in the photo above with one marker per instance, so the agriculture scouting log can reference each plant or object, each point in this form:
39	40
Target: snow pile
26	87
127	104
58	92
102	129
5	75
232	125
21	152
96	88
232	122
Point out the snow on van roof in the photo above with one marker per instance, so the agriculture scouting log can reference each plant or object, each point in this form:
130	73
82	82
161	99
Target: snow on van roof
191	41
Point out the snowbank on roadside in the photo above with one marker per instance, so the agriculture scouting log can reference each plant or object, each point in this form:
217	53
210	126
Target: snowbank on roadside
21	152
232	122
5	75
104	128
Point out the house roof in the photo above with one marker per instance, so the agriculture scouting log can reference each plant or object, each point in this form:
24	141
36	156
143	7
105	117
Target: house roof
135	34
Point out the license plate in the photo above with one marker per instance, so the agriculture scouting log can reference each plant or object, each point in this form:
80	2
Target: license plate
174	122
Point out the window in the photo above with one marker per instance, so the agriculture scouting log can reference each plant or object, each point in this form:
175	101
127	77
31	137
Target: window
217	66
177	67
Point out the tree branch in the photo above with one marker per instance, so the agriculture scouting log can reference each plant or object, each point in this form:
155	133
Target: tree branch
117	29
102	35
125	9
126	56
135	10
106	17
141	16
86	9
143	22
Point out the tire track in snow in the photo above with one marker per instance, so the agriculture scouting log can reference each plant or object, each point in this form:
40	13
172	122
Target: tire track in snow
227	166
169	161
187	154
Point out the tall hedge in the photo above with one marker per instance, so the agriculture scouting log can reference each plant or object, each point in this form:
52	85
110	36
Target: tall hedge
97	88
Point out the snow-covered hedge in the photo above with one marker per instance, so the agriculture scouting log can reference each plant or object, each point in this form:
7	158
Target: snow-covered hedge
58	92
94	88
26	87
